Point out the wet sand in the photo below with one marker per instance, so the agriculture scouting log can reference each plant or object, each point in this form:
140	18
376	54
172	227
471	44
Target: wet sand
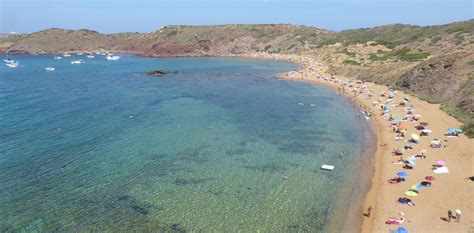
448	191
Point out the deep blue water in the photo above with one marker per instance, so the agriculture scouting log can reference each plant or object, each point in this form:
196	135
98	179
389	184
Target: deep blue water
99	146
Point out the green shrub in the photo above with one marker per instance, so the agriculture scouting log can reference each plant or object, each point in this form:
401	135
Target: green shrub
434	40
414	56
172	33
464	117
344	51
291	46
388	44
351	62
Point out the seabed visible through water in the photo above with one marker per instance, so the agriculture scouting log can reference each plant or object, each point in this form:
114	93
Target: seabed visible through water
100	147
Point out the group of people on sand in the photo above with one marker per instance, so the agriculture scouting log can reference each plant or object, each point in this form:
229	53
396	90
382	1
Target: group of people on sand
457	216
385	103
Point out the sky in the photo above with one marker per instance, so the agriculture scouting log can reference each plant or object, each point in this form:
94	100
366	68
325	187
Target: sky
111	16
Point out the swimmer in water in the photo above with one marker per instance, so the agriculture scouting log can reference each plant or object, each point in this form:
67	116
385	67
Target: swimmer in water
341	154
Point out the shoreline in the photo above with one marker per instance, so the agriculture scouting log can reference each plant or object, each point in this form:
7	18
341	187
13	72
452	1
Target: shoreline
354	218
381	195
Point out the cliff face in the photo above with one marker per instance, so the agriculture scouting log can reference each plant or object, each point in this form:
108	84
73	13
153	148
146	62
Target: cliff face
436	63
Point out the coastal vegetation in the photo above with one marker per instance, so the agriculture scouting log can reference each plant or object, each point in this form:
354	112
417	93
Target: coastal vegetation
351	62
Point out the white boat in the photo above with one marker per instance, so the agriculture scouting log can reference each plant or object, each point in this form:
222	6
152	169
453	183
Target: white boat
8	60
77	62
111	57
66	55
58	58
80	54
13	65
50	69
327	167
90	56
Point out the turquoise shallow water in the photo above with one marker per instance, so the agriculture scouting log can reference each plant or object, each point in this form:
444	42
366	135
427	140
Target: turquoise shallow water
100	147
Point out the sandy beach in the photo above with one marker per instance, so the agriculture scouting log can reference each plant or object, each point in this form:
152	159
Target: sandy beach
448	191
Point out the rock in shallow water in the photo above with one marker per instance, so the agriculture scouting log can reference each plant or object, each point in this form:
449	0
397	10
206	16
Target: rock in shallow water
159	72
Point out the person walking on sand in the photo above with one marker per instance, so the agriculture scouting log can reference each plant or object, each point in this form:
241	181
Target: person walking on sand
458	215
450	215
369	211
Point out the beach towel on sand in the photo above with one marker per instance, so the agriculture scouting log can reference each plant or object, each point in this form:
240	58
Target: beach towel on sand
441	170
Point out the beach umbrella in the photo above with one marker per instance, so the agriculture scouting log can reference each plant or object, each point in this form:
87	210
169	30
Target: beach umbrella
410	161
430	178
426	131
423	151
402	230
423	123
440	162
411	193
399	150
419	127
402	174
455	130
426	183
415	137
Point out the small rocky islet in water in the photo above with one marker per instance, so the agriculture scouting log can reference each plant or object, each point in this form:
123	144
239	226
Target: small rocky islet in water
159	73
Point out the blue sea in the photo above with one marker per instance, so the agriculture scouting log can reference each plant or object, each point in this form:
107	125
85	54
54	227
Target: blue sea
100	146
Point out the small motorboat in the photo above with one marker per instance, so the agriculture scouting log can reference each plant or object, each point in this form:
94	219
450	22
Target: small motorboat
66	55
58	58
77	62
9	61
90	56
327	167
112	57
13	65
50	69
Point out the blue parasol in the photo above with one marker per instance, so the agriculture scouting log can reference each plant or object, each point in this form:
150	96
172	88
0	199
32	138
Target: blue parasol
402	174
455	130
402	230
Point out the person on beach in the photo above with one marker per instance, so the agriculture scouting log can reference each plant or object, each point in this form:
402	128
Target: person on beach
369	211
458	215
450	215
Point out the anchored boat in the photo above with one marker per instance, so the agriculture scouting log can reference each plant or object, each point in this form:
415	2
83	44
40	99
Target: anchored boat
112	57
